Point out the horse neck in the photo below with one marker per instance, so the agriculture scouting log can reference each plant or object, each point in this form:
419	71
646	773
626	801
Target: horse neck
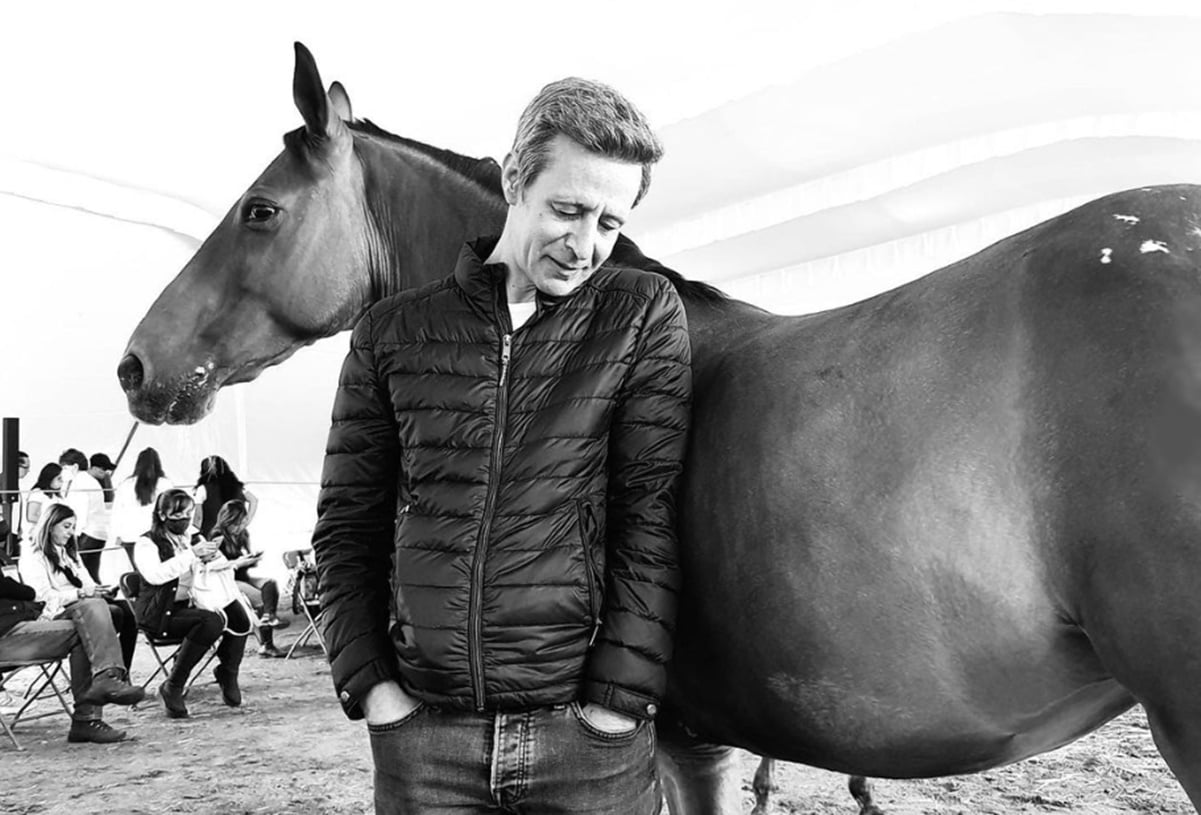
419	213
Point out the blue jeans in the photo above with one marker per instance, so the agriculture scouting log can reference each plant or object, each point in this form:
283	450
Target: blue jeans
535	762
53	639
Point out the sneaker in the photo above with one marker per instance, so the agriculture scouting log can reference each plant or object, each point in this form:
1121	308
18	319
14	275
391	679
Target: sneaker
173	700
94	731
267	621
231	694
270	651
110	688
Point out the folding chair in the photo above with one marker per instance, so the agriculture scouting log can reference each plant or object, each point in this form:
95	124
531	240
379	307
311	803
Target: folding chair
40	688
306	597
131	587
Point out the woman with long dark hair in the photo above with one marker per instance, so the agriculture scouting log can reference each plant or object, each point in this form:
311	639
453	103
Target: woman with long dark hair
165	558
217	484
107	631
46	490
133	504
230	533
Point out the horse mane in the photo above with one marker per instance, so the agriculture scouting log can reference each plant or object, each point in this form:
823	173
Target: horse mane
485	172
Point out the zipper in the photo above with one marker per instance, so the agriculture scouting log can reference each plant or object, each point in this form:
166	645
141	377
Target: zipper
475	640
587	522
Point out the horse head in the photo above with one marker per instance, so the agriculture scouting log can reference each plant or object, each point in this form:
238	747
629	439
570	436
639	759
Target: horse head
304	217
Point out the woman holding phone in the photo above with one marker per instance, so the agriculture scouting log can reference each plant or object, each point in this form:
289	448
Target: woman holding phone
107	630
231	534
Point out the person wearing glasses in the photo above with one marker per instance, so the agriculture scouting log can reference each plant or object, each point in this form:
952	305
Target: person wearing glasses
165	558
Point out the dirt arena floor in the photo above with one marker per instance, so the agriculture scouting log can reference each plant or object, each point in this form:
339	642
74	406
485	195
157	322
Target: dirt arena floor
290	750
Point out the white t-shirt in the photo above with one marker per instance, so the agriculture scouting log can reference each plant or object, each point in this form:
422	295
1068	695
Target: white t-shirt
131	520
520	312
75	495
94	521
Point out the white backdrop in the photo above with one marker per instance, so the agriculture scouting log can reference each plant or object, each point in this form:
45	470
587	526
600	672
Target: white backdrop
815	156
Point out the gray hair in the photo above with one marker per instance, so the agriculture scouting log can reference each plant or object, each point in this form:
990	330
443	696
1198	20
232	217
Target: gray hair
594	116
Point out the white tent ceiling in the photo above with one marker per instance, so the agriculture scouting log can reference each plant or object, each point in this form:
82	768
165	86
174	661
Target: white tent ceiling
817	153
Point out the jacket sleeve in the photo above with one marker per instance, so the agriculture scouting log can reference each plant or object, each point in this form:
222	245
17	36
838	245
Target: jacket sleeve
15	590
353	538
157	572
626	669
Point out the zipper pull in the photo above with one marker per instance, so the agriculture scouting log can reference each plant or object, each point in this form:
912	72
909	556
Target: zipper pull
595	631
506	347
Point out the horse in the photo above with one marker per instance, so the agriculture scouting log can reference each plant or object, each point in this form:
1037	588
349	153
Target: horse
942	529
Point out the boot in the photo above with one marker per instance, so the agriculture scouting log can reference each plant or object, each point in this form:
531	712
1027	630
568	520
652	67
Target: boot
229	655
173	700
111	688
231	694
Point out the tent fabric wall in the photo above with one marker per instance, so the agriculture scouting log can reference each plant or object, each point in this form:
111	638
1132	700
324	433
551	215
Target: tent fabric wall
885	160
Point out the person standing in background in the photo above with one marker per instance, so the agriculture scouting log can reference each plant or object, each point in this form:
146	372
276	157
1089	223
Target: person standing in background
96	484
46	490
133	504
217	484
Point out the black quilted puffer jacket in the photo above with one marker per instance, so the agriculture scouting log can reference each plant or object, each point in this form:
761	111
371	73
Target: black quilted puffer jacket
508	496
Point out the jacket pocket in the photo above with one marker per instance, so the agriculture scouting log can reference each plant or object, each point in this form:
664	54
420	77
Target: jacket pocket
593	570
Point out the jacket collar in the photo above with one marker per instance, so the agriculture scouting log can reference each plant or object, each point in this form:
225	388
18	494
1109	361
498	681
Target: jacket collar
484	283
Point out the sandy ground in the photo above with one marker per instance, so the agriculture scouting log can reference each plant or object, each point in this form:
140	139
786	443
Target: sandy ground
290	750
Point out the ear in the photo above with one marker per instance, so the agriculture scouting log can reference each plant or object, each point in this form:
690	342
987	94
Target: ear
510	181
341	101
308	92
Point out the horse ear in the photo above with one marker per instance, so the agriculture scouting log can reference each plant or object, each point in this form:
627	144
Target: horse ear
341	101
309	94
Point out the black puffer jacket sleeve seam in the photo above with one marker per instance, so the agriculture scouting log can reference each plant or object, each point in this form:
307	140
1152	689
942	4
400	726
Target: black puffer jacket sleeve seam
626	669
354	536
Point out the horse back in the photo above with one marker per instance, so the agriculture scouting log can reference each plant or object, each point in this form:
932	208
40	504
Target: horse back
937	483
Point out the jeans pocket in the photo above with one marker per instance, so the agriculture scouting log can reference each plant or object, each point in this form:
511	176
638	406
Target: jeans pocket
622	737
388	727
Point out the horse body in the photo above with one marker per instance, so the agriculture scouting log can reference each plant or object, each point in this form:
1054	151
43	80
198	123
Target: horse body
936	531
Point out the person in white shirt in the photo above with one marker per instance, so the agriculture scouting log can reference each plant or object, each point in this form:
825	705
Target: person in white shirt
96	485
50	565
133	504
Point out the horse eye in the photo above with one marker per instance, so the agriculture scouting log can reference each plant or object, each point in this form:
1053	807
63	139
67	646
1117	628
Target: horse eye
256	212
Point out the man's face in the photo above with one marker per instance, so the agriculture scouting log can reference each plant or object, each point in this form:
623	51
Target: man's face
563	225
22	467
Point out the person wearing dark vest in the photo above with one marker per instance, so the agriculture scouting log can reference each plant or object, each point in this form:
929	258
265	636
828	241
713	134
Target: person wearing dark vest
217	484
165	558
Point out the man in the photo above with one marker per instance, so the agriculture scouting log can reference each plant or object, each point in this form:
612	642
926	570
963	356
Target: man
529	413
96	484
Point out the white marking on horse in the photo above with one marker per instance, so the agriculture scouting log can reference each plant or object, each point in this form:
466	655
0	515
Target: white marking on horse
1130	219
1153	246
1105	253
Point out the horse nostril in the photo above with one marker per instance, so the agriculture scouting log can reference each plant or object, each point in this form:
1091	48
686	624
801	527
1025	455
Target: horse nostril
129	373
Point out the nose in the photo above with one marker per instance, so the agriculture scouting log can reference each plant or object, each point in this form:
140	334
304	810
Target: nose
130	373
582	240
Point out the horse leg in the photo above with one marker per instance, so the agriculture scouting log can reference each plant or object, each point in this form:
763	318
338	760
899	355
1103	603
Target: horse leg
861	791
1179	741
698	778
763	786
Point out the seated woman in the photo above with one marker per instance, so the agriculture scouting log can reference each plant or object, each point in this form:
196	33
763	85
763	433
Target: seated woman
100	659
165	558
231	534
